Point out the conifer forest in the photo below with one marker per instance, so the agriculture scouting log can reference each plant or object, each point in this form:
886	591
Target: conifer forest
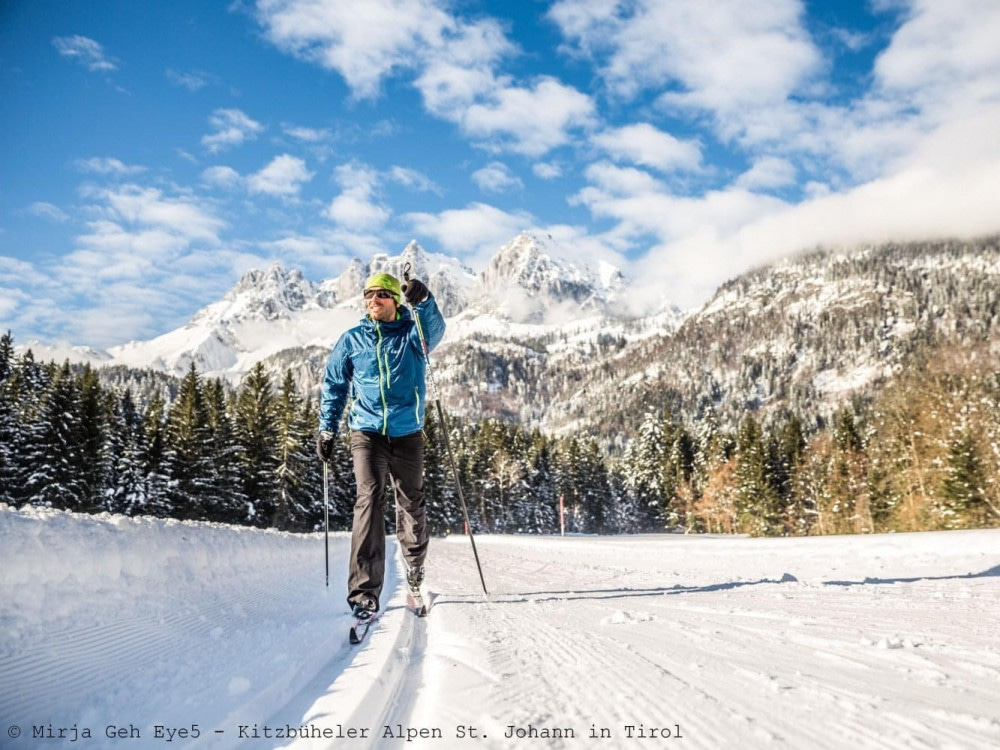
922	453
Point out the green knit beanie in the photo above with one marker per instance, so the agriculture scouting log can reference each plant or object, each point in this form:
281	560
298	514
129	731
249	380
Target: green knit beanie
387	282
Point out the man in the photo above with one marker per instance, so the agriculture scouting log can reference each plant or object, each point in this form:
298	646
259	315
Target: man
378	368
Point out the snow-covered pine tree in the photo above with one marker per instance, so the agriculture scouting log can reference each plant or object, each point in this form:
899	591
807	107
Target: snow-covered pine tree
6	356
341	492
225	501
295	495
188	455
151	496
9	433
965	502
95	468
49	466
538	507
120	453
256	421
757	503
444	514
786	449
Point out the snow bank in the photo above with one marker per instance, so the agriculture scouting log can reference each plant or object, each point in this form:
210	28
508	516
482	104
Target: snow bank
148	621
228	638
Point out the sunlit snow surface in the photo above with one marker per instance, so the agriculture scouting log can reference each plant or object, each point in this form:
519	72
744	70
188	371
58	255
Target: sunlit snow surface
883	641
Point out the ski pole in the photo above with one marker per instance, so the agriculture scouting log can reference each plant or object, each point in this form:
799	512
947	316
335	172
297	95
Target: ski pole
326	517
444	430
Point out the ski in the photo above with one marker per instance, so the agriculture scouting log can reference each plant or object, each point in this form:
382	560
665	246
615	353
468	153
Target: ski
417	603
361	627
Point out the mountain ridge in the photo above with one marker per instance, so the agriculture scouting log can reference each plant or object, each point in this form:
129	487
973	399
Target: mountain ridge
801	335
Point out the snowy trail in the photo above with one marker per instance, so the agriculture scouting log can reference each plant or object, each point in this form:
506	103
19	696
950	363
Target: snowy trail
883	641
842	642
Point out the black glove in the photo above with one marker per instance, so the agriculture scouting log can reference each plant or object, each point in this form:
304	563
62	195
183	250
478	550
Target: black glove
324	445
415	291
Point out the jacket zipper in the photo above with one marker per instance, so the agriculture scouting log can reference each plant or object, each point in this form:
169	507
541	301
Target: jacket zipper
382	380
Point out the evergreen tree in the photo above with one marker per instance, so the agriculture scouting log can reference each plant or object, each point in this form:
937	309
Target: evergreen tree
787	449
6	356
257	434
444	512
189	451
50	471
644	465
537	508
848	477
964	484
120	454
757	502
296	496
224	500
152	495
9	429
94	415
341	490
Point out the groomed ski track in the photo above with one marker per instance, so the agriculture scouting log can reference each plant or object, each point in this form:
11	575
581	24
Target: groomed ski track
838	642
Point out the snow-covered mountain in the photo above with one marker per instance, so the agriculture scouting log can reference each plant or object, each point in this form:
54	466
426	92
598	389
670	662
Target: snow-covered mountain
273	312
805	336
529	281
540	338
280	317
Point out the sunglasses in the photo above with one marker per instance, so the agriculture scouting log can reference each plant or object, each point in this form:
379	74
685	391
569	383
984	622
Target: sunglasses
380	293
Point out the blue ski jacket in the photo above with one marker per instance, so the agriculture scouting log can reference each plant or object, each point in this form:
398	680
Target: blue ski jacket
380	368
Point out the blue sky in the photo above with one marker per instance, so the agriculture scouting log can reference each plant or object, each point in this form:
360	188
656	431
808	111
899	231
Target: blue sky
155	151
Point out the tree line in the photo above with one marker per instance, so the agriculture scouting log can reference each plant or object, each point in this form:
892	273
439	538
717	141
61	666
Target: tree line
922	454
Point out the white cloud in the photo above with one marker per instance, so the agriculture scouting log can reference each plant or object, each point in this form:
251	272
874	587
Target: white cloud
768	172
221	176
528	120
363	40
307	135
45	210
453	60
357	207
477	230
283	176
232	128
85	51
127	275
546	170
725	55
611	179
948	185
191	80
413	179
324	254
107	166
149	209
496	177
646	145
740	60
944	56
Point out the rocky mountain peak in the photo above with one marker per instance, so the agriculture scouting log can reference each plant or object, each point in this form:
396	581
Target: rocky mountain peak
272	294
532	276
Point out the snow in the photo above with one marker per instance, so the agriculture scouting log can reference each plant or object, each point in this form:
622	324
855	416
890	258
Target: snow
118	624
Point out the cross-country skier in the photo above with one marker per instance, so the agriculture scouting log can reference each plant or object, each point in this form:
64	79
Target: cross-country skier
377	370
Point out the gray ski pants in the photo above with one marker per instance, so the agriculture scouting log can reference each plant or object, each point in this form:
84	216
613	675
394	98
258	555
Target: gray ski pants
377	460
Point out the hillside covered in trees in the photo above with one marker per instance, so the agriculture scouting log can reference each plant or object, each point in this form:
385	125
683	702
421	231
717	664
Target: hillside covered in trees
923	454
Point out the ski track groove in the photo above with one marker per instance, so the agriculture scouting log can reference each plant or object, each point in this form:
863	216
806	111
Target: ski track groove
608	645
714	674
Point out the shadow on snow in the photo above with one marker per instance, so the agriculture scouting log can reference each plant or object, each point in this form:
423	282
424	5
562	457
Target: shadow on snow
626	593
